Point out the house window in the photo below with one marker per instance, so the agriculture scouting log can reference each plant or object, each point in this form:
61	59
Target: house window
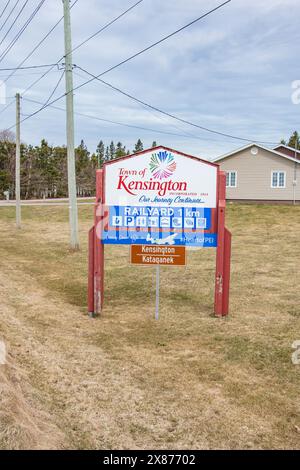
231	179
278	179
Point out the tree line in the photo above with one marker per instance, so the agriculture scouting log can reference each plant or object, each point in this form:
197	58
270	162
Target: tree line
293	141
44	167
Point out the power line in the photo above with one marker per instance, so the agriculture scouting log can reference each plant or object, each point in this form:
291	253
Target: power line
173	116
51	95
184	121
26	68
7	106
132	126
38	45
131	57
9	15
151	46
163	119
96	118
158	42
39	79
55	88
28	73
87	40
24	27
32	67
4	9
107	25
46	104
14	22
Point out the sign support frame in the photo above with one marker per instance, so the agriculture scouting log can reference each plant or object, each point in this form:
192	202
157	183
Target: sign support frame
223	257
96	253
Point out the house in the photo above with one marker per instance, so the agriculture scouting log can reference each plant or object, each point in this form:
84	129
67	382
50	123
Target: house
257	173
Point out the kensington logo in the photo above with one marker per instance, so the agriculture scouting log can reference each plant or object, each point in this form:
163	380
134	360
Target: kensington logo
162	165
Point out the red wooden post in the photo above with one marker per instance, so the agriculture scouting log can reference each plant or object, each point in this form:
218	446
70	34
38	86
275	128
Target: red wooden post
98	245
226	272
91	272
222	279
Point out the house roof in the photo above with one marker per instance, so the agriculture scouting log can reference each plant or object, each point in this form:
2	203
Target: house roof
275	152
288	148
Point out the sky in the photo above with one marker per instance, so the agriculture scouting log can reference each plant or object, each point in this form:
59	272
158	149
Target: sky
231	72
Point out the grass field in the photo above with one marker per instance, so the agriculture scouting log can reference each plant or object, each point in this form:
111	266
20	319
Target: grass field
125	381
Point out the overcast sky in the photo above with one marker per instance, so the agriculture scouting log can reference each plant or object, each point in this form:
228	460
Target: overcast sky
232	72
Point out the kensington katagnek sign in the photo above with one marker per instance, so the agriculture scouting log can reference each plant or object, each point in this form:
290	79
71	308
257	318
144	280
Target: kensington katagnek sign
159	198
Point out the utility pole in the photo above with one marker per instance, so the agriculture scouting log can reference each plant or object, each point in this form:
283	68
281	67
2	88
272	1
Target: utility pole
70	128
18	155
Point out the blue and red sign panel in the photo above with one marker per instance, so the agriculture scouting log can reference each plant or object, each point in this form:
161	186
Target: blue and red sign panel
160	197
182	226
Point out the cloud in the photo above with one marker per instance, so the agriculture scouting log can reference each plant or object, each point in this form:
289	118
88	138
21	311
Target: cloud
231	72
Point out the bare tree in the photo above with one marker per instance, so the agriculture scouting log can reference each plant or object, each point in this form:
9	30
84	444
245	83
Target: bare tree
7	136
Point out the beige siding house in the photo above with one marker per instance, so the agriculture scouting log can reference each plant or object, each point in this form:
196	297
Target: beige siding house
257	173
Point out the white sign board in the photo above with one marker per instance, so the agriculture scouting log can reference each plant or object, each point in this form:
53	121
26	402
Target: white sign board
161	178
159	197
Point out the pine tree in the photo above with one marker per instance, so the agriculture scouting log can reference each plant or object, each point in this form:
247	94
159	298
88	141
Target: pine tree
138	146
83	168
154	144
82	156
100	154
120	150
44	169
112	151
294	141
106	157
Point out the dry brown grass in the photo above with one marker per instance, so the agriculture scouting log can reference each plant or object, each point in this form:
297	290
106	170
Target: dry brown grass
125	381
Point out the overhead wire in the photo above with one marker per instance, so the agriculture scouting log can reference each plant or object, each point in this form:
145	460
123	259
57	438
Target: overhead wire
173	116
9	15
106	26
150	106
55	88
7	106
4	9
159	117
109	121
135	55
14	22
22	30
38	45
103	28
177	31
26	68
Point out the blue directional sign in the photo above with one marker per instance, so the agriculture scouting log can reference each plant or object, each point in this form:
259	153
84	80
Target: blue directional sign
181	226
